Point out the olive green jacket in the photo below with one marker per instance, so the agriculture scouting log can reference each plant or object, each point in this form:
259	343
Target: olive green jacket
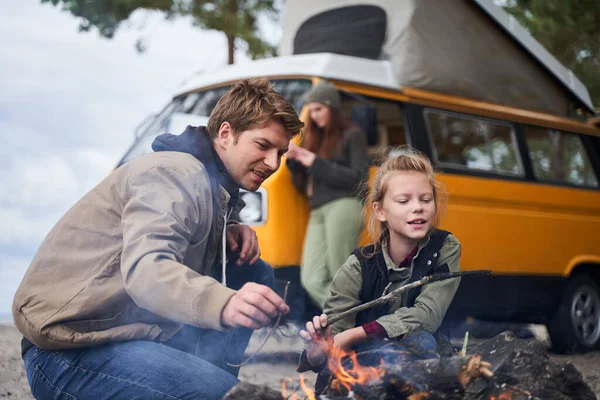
430	305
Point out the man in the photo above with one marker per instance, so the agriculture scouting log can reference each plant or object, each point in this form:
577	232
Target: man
132	293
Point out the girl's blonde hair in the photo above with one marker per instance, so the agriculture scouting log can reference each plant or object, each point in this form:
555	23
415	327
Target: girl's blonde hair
401	159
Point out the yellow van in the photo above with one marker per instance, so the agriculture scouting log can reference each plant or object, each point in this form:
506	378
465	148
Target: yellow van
523	180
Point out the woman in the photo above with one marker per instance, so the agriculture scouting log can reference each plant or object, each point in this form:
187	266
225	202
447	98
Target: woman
328	168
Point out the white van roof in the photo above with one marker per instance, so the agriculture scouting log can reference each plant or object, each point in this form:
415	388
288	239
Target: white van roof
442	46
472	49
326	65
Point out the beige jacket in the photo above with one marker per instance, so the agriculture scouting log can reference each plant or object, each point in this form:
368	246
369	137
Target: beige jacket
128	261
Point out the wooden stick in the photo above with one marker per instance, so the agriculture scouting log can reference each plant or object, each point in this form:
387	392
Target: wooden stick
463	352
332	319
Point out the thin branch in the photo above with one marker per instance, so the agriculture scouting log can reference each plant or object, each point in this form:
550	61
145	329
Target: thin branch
332	319
463	352
285	292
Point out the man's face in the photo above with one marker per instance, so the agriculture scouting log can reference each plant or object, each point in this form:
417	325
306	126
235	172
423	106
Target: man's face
253	155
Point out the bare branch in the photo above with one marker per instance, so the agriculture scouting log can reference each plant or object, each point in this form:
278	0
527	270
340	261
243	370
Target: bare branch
332	319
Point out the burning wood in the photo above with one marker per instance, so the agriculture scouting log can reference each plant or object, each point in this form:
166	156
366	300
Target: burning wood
412	379
502	368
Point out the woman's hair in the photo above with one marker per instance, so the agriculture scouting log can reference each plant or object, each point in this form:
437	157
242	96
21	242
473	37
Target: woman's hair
401	159
325	141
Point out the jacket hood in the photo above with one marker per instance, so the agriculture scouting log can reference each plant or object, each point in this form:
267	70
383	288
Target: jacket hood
197	142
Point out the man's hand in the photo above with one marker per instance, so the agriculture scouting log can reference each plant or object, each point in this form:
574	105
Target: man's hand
316	339
244	237
348	339
252	307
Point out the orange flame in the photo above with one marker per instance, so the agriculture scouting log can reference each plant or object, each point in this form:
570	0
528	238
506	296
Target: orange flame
502	396
310	395
284	391
286	395
356	375
419	396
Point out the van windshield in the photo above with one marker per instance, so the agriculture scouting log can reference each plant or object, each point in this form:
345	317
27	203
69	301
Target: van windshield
194	109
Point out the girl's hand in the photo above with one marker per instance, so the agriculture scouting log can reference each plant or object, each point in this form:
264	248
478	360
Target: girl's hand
316	339
348	339
303	156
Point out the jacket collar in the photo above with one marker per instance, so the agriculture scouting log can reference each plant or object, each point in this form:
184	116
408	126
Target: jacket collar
408	261
197	142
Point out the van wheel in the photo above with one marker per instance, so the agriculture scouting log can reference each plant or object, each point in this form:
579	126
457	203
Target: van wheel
576	325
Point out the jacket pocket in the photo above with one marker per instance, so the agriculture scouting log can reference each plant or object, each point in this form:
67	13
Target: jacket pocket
95	325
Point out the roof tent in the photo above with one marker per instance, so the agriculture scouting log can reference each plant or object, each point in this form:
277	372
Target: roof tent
469	48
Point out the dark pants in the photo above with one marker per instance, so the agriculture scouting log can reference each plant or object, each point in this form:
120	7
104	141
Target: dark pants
193	365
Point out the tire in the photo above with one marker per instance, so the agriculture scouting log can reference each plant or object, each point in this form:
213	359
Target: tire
575	327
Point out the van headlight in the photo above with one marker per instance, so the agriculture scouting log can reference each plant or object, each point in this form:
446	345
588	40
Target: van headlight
255	210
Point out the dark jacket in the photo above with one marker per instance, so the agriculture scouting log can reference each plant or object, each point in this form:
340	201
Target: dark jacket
375	275
429	306
337	177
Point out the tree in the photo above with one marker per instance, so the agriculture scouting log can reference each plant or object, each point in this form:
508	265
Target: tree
570	30
237	19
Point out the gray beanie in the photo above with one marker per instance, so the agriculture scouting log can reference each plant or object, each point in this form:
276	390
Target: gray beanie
325	93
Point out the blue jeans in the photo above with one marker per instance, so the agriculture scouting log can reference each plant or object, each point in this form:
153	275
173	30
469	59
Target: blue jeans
192	365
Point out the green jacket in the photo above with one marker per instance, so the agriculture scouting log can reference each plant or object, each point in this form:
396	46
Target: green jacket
430	306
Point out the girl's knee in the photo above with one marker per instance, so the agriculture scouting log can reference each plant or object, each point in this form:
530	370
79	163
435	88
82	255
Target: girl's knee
421	340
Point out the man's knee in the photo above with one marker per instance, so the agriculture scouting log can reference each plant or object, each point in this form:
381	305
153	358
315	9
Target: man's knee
260	272
264	273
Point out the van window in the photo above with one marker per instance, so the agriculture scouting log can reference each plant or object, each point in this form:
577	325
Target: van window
201	103
473	143
390	127
559	157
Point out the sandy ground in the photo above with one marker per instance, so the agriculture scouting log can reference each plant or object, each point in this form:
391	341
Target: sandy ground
276	361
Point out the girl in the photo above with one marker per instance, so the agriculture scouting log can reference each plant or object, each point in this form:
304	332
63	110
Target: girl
328	168
406	202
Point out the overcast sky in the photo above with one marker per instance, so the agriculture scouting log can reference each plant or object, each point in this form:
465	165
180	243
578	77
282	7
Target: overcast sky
69	103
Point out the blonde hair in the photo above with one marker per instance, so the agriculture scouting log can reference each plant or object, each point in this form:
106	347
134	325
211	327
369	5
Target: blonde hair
402	159
251	103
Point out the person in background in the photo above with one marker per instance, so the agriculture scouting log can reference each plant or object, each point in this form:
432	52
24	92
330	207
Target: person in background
132	293
328	168
407	202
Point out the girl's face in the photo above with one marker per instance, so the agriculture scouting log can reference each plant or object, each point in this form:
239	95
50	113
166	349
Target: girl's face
320	114
408	207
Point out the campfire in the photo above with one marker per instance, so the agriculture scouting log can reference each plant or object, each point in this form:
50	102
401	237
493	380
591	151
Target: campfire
395	378
502	368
